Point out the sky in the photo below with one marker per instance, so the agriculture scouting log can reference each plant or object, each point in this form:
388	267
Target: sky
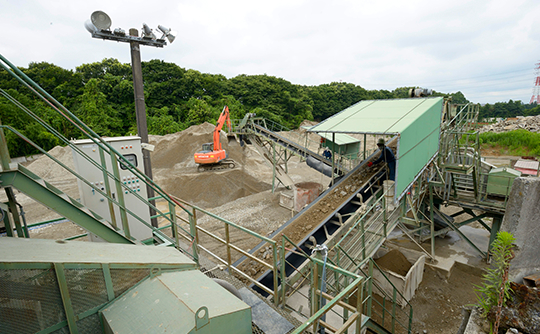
486	49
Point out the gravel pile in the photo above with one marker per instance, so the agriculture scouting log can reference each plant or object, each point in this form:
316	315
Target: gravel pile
530	123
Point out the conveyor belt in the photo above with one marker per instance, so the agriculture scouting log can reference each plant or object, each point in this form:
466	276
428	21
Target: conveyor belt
323	229
294	147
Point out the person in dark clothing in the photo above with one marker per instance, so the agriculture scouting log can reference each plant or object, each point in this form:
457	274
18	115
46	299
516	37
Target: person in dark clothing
387	156
327	154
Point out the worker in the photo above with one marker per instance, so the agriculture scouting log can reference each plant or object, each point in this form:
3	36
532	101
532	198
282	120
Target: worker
327	154
387	156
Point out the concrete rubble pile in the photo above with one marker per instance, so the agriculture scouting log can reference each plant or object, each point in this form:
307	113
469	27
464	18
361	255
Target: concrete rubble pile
530	123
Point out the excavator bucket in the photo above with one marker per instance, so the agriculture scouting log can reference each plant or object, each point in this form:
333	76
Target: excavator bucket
232	139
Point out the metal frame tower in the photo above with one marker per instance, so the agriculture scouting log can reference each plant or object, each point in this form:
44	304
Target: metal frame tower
536	89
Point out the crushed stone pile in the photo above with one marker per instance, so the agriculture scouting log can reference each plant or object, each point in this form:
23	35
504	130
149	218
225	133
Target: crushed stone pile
530	123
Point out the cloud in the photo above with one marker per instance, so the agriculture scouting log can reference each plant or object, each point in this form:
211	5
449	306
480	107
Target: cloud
459	45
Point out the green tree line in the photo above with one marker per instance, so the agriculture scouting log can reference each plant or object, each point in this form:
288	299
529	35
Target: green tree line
101	95
508	109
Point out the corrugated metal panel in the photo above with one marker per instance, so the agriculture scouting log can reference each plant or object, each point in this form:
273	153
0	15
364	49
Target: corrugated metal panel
378	116
418	143
527	164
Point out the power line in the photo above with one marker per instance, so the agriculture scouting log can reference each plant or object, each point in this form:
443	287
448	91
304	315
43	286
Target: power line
505	76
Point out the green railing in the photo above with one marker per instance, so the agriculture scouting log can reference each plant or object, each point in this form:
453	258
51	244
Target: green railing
105	149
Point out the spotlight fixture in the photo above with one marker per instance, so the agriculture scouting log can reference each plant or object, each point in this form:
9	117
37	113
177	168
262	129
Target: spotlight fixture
171	35
147	32
101	20
99	26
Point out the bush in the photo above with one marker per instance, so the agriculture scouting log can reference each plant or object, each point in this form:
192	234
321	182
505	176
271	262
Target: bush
496	288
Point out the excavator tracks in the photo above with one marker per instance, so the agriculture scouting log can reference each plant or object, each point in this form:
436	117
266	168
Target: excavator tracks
223	164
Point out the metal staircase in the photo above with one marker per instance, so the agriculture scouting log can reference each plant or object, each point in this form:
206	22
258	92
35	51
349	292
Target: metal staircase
53	198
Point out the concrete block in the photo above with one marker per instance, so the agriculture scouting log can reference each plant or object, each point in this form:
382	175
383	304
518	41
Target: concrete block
522	219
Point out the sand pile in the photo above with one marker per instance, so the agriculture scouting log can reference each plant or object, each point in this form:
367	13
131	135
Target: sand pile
394	261
176	172
49	170
210	189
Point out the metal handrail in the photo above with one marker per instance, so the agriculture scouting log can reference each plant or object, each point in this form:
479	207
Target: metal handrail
97	189
103	146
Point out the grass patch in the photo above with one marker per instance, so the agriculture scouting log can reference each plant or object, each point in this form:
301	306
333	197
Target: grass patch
517	142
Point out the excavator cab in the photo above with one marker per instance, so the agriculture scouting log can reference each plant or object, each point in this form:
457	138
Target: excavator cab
207	148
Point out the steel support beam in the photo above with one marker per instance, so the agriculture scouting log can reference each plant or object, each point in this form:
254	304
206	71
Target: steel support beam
55	202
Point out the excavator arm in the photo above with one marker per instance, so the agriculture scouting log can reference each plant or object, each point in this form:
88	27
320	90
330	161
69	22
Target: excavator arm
223	118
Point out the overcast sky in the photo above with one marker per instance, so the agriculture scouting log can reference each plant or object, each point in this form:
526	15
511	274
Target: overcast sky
485	49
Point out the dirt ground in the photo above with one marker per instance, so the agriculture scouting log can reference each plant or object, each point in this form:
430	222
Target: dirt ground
244	196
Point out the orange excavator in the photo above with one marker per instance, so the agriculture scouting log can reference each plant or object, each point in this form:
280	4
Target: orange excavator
212	156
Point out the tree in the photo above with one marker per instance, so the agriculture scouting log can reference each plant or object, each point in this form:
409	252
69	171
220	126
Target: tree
96	112
98	70
161	123
200	112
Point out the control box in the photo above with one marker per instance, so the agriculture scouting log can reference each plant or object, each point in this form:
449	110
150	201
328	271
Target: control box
130	148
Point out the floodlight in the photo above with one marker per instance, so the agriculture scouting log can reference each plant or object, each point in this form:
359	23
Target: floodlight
90	27
101	20
147	32
171	35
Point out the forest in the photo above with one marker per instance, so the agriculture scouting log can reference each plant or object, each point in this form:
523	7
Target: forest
101	95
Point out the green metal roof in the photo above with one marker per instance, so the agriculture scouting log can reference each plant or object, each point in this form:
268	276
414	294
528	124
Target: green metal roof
415	121
377	116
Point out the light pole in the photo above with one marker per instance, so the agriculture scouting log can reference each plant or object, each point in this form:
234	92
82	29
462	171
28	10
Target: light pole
99	26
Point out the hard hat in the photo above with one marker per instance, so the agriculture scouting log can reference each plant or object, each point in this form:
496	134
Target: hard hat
380	141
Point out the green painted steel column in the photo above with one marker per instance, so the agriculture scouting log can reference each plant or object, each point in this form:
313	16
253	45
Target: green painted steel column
369	289
365	137
282	273
4	152
66	298
333	156
108	281
14	212
495	226
4	161
314	299
7	224
275	272
195	234
431	216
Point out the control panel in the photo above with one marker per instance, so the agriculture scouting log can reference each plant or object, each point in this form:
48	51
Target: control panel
132	186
